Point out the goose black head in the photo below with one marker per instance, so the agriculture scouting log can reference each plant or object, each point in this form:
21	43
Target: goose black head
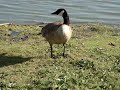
60	12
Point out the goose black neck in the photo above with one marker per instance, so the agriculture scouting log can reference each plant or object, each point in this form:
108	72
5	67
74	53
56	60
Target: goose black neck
66	18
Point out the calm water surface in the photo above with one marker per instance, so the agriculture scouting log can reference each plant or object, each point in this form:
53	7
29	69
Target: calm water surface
32	11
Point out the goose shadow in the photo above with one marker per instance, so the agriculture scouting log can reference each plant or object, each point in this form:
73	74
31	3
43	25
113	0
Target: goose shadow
11	60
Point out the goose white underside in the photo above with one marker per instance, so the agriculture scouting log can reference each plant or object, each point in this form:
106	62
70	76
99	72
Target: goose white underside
64	32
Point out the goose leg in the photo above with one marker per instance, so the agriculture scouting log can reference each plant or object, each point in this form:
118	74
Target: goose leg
51	50
63	50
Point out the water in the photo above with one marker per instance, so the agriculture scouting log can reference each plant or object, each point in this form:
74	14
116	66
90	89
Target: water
80	11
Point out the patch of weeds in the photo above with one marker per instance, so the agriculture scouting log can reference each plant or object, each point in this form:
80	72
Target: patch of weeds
2	85
42	73
106	81
45	85
30	87
35	82
8	86
93	29
61	79
116	68
65	82
99	51
116	32
3	75
83	64
117	59
40	84
11	85
105	86
46	88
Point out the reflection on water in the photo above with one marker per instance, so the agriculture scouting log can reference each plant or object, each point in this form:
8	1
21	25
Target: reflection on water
30	11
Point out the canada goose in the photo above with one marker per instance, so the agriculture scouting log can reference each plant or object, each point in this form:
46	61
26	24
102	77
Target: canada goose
57	32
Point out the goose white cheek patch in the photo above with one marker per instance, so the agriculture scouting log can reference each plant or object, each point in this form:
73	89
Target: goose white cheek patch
61	13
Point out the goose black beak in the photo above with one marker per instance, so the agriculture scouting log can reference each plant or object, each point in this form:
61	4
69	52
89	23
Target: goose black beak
54	13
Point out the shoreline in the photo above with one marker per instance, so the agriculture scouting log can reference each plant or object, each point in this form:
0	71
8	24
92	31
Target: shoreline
43	23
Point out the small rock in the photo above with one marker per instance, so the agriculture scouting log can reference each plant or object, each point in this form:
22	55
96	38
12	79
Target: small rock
24	38
111	44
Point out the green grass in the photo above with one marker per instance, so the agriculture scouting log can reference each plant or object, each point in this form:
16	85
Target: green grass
92	62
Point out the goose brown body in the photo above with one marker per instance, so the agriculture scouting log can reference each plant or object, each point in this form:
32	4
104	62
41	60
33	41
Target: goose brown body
58	32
